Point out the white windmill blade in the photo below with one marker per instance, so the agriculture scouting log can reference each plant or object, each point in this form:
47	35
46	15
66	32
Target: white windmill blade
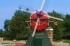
25	10
55	18
35	27
42	5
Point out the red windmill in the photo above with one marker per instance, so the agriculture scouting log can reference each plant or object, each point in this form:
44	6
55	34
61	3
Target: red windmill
39	20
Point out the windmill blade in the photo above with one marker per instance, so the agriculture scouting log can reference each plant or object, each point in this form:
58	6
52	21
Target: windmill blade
35	27
25	10
55	18
42	5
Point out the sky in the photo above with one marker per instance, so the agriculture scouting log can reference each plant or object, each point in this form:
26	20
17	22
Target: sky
8	7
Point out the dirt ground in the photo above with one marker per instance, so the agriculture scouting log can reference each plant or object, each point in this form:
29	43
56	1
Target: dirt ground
54	43
60	44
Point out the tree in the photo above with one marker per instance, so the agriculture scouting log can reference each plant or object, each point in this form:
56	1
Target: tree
18	26
67	27
58	29
1	33
6	24
6	32
55	14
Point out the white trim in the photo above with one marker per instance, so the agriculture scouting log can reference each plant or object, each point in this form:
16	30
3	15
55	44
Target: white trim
49	29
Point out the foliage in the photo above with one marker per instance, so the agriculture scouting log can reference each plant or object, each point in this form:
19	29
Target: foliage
16	28
67	27
1	33
6	24
58	29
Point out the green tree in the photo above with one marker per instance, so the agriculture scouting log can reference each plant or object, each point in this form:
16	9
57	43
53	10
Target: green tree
18	26
6	24
58	29
1	33
55	14
6	32
67	26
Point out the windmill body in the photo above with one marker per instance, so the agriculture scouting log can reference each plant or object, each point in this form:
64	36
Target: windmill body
39	21
43	21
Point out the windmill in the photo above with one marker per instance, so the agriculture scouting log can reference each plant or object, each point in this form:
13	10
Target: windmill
39	21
